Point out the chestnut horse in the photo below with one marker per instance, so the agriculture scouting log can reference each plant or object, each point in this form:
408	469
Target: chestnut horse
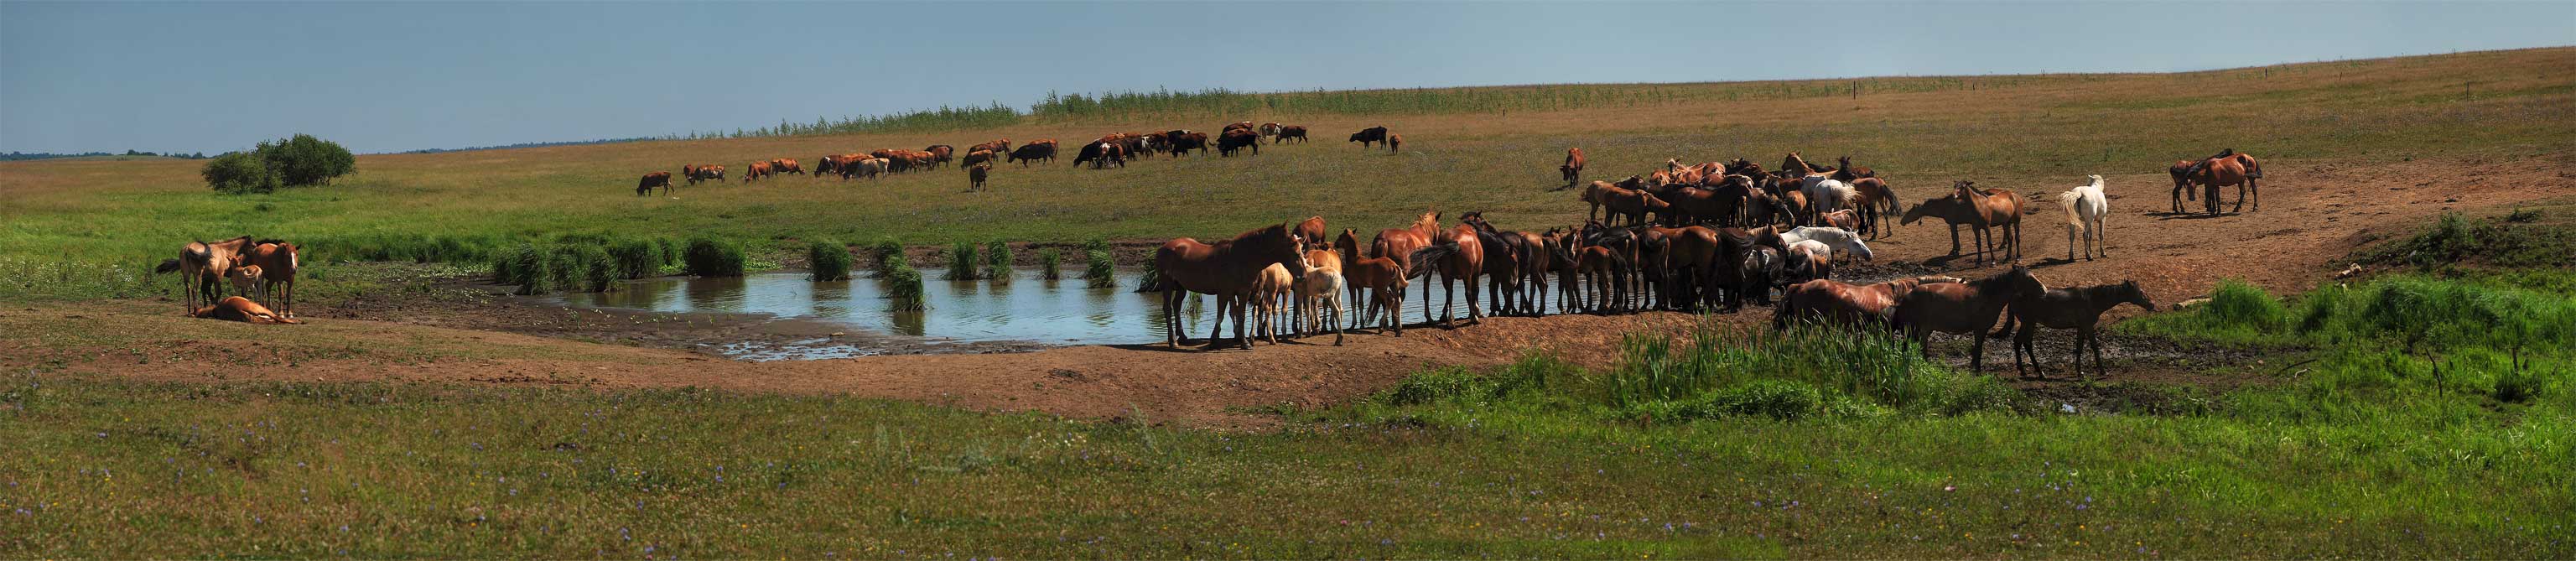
278	262
1966	308
1400	243
201	267
1458	254
1980	210
2229	168
1843	303
236	308
1312	230
1225	269
2079	309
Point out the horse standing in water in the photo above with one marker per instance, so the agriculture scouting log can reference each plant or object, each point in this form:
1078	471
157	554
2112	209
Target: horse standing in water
1457	255
1226	269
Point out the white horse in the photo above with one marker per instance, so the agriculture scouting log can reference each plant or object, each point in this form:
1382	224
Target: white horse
1825	194
2086	207
1319	294
1836	238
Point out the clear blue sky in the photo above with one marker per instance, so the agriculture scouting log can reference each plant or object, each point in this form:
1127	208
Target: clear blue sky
380	77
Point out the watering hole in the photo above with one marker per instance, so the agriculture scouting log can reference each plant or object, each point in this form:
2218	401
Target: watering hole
1027	309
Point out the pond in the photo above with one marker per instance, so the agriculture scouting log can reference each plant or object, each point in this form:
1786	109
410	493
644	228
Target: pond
1029	308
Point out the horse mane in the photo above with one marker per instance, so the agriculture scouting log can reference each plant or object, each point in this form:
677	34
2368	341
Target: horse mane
266	241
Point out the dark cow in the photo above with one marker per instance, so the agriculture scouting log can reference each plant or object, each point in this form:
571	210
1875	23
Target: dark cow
1033	152
975	176
1236	139
1290	131
1102	153
660	179
1181	142
1368	137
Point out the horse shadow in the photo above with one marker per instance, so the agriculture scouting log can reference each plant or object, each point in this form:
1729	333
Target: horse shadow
2189	215
2047	262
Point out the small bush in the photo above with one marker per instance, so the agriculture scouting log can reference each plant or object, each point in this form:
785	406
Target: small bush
669	252
239	172
565	268
599	271
1099	268
830	260
962	262
710	258
885	252
997	261
635	258
1152	278
525	266
903	288
2518	386
1050	263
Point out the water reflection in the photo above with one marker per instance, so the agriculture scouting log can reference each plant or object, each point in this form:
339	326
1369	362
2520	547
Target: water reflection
1029	308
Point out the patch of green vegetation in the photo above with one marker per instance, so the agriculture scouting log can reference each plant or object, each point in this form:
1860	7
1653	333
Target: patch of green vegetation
1051	263
708	257
997	261
962	263
2516	240
829	260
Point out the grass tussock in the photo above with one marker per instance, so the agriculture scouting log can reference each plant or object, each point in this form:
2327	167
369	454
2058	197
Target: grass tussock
1051	263
708	257
829	260
962	263
997	261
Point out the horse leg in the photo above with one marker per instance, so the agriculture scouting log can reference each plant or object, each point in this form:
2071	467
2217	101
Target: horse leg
2095	339
1977	352
1216	327
1954	239
1472	314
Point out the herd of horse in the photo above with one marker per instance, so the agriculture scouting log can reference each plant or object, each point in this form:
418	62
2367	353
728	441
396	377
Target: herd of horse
262	273
1708	237
1112	150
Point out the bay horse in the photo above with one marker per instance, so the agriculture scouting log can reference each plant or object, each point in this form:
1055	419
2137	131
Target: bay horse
1508	259
1573	167
278	262
2229	167
1876	203
1455	255
1558	245
1312	230
236	308
1226	269
1968	308
1981	210
201	267
1837	302
2079	309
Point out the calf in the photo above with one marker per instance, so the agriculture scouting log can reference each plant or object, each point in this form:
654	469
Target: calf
975	175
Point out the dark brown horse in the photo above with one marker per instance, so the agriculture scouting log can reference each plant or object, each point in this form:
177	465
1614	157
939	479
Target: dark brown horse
1981	210
1573	167
2079	309
1457	254
1966	308
1226	269
1312	230
1837	302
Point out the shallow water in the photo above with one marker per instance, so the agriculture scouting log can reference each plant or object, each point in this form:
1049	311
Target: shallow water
1029	308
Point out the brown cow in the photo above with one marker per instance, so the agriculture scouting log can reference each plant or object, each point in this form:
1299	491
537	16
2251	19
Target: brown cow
1290	131
660	179
1236	139
998	146
940	154
757	171
977	157
1394	143
975	176
786	165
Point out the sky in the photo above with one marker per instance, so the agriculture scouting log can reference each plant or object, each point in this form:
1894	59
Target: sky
393	76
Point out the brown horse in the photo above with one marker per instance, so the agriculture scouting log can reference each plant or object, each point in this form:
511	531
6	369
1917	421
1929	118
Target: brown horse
2229	168
1980	210
236	308
1573	167
1876	203
1966	308
1457	254
1384	279
1843	303
245	281
1225	269
1273	289
2181	172
278	262
1312	230
201	267
1507	258
1557	245
2079	309
1400	243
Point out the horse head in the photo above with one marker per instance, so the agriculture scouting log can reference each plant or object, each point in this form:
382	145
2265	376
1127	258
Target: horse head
2130	293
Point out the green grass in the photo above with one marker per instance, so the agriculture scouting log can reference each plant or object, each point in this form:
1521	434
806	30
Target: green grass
962	263
708	257
829	260
997	261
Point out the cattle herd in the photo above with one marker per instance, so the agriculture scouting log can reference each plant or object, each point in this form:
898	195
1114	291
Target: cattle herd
1712	237
1112	150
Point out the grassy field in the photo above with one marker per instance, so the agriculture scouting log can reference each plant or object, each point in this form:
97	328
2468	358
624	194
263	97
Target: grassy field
1922	132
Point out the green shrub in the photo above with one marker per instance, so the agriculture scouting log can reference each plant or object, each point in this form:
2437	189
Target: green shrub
1151	279
1099	268
599	271
239	172
997	261
710	258
886	252
635	258
525	266
1050	263
669	253
903	288
962	262
830	260
565	267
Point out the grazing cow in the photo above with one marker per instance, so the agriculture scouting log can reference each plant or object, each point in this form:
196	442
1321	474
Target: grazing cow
1236	126
660	179
1032	152
1368	136
1269	129
977	157
1573	165
1394	143
975	176
786	165
1290	131
1182	142
703	172
1235	139
757	171
827	164
999	146
941	154
1101	153
864	167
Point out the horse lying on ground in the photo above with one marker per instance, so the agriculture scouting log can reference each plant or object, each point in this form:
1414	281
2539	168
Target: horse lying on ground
236	308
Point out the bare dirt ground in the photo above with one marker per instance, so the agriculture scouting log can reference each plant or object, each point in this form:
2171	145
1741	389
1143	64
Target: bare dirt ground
2312	215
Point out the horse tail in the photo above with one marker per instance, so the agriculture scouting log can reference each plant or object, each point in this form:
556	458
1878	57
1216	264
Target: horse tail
1420	263
2067	202
167	265
2253	169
